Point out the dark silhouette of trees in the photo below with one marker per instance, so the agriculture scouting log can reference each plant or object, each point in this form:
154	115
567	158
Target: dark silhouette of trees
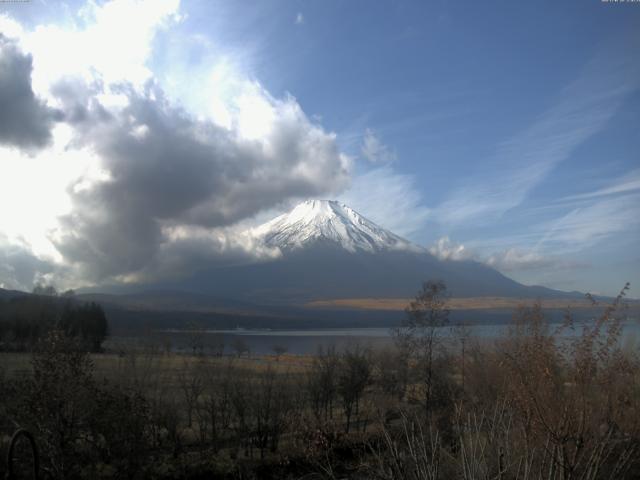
86	322
79	423
322	383
26	319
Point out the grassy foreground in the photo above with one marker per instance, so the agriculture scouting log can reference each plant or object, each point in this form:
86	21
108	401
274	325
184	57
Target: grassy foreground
532	405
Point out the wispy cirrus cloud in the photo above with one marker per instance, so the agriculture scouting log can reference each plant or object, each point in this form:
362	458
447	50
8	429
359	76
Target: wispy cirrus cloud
552	244
586	219
584	107
518	259
374	151
388	198
587	225
625	184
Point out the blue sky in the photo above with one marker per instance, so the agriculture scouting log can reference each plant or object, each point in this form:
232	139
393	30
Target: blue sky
506	132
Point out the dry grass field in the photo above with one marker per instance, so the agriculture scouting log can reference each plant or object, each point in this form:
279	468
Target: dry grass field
136	366
467	303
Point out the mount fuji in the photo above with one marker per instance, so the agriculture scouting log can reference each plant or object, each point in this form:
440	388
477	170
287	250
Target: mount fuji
329	222
329	251
328	256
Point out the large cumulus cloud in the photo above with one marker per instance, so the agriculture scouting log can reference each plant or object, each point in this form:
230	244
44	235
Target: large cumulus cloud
25	121
152	190
164	171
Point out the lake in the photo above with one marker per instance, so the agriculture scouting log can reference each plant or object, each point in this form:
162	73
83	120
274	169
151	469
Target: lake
301	341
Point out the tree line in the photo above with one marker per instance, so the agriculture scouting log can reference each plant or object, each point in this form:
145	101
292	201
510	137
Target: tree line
27	319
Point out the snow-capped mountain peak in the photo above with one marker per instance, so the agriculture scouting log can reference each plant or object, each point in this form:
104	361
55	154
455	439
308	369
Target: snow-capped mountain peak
330	222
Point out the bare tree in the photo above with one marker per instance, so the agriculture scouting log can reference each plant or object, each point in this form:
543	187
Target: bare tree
270	402
215	409
461	333
60	401
576	399
353	377
241	392
191	384
393	372
322	383
194	338
419	335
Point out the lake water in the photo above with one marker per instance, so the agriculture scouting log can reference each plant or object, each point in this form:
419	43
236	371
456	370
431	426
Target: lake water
309	341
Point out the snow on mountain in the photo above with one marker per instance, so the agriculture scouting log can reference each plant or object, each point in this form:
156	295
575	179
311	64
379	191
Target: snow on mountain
331	222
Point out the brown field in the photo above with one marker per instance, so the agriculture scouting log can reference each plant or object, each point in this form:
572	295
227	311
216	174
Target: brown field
170	366
466	303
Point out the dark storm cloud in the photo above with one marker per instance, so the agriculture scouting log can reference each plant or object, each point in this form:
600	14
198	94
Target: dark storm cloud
19	268
25	121
168	170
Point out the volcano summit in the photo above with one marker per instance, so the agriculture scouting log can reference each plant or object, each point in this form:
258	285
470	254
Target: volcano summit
329	222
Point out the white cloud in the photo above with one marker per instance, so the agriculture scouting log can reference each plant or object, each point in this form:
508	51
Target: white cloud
133	185
113	45
510	260
33	188
445	249
299	19
374	150
167	170
9	27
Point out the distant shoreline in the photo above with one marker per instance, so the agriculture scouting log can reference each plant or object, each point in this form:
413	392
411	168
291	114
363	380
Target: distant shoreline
461	303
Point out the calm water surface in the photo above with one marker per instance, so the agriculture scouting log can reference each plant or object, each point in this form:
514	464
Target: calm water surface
309	341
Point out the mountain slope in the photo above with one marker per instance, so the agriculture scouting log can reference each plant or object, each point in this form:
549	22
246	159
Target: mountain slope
323	272
331	251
